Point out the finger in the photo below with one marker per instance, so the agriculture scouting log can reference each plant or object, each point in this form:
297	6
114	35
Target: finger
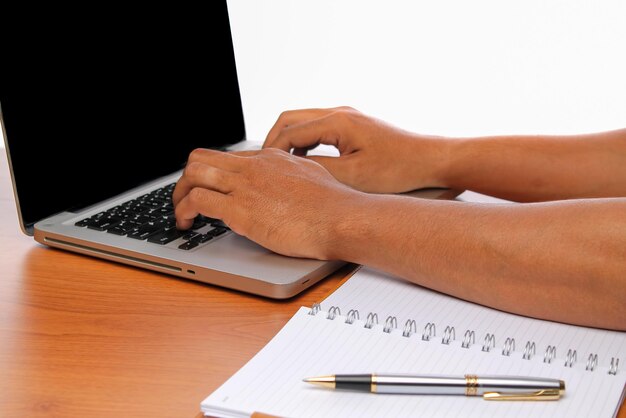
307	135
199	201
219	159
292	117
205	176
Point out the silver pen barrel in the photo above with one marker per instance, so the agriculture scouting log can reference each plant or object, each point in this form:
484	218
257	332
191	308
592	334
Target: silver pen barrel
418	385
470	385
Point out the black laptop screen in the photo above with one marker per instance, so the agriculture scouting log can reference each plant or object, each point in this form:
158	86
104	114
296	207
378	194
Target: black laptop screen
97	103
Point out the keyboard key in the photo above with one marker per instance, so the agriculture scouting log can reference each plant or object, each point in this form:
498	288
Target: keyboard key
217	231
123	227
117	230
188	245
166	236
163	211
103	223
198	223
201	238
145	231
219	224
82	223
137	208
141	219
190	235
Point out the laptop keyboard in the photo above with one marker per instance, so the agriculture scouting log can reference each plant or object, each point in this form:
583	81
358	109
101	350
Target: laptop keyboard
151	217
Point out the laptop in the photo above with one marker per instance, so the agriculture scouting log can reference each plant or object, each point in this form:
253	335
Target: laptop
100	112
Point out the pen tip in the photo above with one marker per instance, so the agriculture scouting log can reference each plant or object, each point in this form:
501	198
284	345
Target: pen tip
324	381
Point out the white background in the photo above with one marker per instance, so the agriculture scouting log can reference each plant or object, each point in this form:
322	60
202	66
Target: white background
440	67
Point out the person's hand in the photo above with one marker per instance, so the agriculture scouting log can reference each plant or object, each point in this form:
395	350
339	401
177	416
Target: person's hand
374	156
285	203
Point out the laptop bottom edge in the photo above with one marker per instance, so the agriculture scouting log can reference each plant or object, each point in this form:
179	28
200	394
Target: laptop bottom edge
192	272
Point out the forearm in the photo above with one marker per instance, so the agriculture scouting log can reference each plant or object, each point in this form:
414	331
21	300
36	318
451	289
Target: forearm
562	261
539	168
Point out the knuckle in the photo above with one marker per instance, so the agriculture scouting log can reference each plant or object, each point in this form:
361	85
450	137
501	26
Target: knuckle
273	151
196	154
340	114
347	118
263	156
219	177
192	169
285	115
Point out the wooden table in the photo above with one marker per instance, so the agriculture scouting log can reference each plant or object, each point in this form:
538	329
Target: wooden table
82	337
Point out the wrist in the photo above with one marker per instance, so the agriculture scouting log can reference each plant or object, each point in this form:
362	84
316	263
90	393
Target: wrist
453	165
368	224
349	227
435	155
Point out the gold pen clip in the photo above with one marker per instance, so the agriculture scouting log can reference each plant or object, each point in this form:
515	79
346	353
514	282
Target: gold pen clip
540	395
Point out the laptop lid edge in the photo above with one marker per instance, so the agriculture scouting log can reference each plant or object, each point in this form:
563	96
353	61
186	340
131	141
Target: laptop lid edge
27	229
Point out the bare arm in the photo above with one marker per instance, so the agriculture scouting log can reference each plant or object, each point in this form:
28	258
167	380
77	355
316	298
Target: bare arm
539	168
562	261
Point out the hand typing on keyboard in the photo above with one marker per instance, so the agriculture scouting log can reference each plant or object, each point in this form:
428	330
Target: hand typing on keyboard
283	202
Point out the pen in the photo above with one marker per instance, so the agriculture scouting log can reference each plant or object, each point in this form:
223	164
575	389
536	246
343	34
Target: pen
501	388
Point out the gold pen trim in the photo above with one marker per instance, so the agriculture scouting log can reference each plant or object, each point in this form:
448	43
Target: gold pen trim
471	385
540	395
373	384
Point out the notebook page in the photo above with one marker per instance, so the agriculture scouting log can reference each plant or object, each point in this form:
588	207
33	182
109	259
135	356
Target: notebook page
372	291
313	345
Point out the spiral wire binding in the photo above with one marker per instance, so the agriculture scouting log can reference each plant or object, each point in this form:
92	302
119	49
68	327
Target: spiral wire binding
333	312
489	342
315	309
371	317
469	336
410	327
571	358
448	334
509	346
352	315
429	331
390	323
529	350
592	362
549	354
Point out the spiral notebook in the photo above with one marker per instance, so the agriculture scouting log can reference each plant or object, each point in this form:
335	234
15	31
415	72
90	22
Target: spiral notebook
375	323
